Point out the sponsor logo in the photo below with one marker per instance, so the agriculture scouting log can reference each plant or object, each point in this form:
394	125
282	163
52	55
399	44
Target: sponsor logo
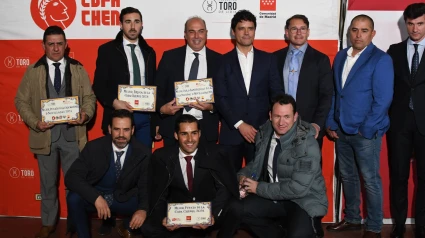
378	6
47	13
188	218
9	62
267	5
99	12
226	7
38	197
11	117
15	172
16	62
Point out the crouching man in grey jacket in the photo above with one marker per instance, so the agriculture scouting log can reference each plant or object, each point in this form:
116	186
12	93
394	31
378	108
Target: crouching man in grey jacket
284	181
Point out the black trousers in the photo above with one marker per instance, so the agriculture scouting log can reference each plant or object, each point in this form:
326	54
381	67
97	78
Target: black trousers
264	218
404	142
237	152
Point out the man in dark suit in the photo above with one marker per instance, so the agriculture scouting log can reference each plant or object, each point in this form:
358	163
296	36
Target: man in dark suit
358	119
407	116
306	74
191	61
191	172
110	176
246	80
127	60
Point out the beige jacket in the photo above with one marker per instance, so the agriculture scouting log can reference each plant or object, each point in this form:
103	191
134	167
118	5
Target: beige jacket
33	89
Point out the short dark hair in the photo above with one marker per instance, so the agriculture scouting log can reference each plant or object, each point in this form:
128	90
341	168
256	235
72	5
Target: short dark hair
122	113
185	118
243	15
53	30
414	10
129	10
297	16
363	17
284	99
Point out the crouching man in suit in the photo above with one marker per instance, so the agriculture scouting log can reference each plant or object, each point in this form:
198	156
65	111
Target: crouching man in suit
190	172
110	176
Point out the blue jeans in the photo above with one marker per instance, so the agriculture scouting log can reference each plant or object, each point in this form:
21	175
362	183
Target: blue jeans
356	153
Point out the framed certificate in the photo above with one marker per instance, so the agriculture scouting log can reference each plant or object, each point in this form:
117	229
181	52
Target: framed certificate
141	98
189	214
60	110
191	90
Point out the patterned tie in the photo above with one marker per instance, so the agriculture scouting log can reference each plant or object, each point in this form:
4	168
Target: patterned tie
193	73
118	163
277	151
137	80
189	172
293	73
413	70
57	82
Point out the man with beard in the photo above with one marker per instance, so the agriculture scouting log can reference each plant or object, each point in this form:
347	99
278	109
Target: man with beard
246	80
127	60
110	176
191	61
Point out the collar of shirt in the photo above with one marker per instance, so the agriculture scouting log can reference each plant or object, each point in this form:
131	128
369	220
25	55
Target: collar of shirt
303	48
115	149
421	43
50	62
350	52
251	51
126	42
182	155
189	51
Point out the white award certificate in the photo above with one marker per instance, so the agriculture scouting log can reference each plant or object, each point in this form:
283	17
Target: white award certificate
141	98
60	110
191	90
189	214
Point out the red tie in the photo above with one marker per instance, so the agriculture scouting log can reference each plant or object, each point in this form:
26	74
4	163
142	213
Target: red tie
189	172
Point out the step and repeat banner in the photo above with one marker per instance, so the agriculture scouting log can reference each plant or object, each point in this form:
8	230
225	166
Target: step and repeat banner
390	29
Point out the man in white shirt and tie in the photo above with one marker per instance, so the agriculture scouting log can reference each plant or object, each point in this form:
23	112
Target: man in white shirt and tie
191	61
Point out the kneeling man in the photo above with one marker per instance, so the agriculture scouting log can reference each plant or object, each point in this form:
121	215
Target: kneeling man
110	176
285	179
190	172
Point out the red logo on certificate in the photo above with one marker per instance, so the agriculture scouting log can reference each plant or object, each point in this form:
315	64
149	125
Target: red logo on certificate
136	102
188	218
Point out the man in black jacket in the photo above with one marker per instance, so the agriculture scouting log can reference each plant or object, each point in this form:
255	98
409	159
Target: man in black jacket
110	176
116	64
190	173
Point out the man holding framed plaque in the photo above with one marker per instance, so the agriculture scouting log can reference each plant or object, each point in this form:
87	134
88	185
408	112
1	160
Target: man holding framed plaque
191	178
246	80
188	62
128	61
60	80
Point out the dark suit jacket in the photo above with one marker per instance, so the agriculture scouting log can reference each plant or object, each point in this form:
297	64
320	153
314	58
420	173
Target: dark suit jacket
213	180
112	70
232	101
170	70
404	88
315	85
93	163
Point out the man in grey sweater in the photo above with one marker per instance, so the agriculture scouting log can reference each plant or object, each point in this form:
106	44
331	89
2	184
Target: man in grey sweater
285	179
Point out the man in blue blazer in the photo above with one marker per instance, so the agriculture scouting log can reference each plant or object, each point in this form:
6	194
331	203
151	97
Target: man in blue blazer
358	119
246	80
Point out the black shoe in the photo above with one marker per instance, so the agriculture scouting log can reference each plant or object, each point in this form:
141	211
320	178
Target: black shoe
106	227
420	231
398	231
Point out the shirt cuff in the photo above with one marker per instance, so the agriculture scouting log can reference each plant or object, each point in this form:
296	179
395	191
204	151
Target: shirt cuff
238	124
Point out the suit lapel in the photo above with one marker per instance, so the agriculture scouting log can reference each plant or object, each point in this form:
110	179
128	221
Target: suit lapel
405	65
255	70
281	58
209	63
178	173
179	65
238	71
199	172
363	58
420	74
303	77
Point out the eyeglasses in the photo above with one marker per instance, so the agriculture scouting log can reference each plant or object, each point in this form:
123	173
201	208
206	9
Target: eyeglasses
294	30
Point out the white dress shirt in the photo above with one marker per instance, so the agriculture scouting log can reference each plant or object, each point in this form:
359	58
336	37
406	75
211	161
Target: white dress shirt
202	73
246	63
273	144
115	149
140	59
349	62
52	69
183	164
